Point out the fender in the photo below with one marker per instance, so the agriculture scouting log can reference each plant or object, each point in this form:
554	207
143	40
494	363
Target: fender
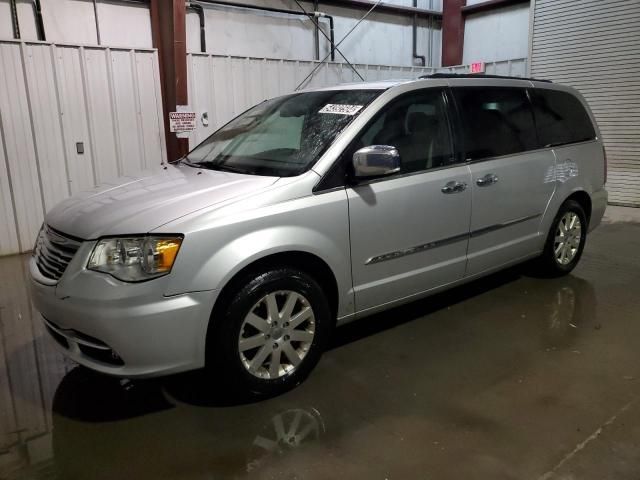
315	224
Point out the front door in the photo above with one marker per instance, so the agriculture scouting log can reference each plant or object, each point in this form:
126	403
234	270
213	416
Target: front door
409	232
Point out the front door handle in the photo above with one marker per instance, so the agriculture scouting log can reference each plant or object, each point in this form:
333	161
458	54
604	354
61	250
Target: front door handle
488	179
454	187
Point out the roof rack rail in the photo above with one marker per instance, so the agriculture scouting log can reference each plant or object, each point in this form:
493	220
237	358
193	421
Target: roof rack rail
481	75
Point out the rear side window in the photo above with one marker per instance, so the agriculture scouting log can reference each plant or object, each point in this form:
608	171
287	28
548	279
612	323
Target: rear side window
496	121
561	118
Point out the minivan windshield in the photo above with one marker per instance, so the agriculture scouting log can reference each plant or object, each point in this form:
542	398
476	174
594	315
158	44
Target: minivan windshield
281	137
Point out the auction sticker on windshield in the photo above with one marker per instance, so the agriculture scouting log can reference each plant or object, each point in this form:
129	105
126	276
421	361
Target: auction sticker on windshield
340	109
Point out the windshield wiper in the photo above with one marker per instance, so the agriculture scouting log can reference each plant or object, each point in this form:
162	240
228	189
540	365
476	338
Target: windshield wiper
209	165
186	161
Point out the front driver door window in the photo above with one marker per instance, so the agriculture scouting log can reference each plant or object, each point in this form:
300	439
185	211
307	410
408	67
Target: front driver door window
407	235
417	126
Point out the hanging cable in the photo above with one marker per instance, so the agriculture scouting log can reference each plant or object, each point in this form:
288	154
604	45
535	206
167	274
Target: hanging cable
333	47
313	72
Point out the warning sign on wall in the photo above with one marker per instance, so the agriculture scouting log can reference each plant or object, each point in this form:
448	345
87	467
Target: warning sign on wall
182	122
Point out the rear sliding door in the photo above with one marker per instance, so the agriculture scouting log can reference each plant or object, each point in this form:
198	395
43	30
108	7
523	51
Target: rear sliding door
512	179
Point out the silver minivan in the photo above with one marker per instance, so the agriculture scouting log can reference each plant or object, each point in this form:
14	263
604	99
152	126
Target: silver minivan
311	210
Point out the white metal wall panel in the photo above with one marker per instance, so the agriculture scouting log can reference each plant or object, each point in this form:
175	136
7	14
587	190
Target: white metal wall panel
19	145
126	112
73	117
101	113
595	47
497	34
8	232
382	38
73	21
222	86
47	132
149	100
54	96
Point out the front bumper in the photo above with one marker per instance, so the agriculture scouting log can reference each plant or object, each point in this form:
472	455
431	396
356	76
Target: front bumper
127	330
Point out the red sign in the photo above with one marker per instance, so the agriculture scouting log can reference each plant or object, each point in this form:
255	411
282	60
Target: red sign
477	67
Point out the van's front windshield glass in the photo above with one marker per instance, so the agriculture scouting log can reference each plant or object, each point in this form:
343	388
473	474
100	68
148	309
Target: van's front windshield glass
282	137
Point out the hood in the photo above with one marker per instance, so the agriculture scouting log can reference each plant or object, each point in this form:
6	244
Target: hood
132	205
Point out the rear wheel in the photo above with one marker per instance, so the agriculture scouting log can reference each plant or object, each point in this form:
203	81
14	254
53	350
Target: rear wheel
566	240
272	334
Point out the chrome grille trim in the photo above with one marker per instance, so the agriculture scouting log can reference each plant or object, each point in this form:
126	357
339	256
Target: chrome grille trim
53	252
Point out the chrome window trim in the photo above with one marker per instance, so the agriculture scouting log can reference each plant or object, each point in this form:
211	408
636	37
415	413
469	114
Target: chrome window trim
472	161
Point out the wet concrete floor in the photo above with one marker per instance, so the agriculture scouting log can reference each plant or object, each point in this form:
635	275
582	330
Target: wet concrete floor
511	377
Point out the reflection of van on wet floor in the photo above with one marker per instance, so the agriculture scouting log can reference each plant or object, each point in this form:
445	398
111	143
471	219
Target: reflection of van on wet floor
318	206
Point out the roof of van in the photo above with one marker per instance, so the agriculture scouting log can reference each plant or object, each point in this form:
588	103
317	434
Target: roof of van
385	84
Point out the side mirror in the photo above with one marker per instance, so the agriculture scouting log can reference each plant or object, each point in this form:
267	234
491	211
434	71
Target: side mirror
376	161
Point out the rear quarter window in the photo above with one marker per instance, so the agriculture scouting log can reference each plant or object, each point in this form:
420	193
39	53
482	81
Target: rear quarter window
561	118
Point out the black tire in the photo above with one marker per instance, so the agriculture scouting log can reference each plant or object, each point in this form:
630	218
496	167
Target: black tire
225	366
547	264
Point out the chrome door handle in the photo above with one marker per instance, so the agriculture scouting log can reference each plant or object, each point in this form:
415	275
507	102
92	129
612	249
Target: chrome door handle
454	187
488	179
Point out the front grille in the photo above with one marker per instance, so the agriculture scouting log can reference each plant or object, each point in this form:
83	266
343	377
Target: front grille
53	252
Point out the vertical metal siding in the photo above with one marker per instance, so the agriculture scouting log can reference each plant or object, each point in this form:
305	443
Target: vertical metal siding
53	96
224	86
73	118
8	230
41	84
594	46
17	133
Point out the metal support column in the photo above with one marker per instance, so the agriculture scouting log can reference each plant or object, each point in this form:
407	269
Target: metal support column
168	31
452	32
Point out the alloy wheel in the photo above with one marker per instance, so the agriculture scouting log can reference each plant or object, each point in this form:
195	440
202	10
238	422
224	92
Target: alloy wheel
568	238
276	334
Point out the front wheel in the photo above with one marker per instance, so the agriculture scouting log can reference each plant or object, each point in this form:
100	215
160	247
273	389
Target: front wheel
566	240
272	334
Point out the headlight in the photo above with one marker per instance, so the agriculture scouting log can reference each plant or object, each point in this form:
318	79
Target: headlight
135	259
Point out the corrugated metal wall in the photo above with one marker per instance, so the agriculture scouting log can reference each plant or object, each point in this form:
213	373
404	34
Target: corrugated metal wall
595	46
223	86
381	38
496	34
51	98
